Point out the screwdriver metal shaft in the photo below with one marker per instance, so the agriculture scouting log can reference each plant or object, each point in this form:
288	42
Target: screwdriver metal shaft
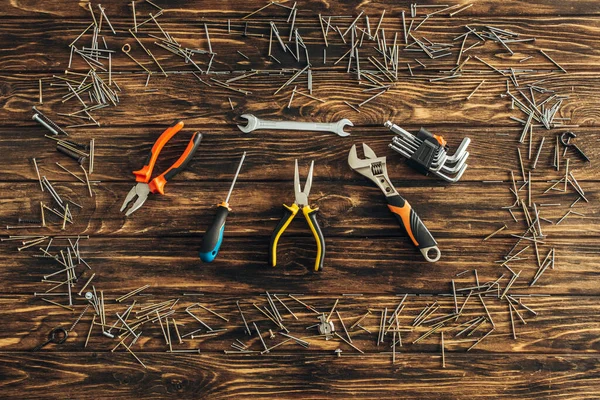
235	177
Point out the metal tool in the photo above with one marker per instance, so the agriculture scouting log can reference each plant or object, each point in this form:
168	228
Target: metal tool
157	185
565	139
255	123
427	153
57	335
212	239
374	168
325	327
310	214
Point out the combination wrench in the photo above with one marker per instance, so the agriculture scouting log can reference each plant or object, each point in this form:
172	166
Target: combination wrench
255	123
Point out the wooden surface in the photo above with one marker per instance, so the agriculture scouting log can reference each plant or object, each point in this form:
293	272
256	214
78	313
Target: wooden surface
369	264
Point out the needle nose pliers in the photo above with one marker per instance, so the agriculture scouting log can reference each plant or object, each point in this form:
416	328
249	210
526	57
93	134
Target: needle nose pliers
310	214
157	185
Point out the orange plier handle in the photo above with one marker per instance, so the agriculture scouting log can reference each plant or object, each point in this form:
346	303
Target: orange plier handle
157	184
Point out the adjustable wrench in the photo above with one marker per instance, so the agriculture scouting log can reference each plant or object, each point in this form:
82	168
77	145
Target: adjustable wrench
255	123
374	168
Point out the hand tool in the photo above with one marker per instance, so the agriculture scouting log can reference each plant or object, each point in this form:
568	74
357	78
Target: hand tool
374	168
565	140
310	214
428	153
157	185
325	327
57	335
212	239
255	123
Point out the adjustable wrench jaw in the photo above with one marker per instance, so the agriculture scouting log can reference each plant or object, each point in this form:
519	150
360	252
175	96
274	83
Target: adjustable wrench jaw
372	167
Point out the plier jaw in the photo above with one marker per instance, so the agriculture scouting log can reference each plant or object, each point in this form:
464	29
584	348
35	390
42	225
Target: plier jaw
301	196
310	214
141	191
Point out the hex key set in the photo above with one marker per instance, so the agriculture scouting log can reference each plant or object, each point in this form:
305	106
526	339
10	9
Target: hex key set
428	153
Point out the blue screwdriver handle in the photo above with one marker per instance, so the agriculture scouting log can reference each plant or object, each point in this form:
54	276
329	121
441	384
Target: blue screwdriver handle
213	238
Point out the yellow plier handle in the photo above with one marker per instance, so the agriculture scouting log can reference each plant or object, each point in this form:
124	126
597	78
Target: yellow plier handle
311	218
288	215
310	214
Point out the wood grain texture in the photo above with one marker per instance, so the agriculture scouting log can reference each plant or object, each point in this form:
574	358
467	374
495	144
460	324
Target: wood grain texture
47	43
392	266
222	145
562	325
187	208
231	9
555	353
418	101
414	375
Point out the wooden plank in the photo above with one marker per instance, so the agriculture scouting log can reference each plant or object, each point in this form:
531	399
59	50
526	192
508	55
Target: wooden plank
367	253
423	103
381	264
43	45
346	209
231	9
563	324
511	376
492	153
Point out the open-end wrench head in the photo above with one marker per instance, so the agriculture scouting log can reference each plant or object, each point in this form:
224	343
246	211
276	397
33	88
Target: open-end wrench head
251	125
340	125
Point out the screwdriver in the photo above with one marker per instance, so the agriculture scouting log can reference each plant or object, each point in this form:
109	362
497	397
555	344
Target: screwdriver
211	242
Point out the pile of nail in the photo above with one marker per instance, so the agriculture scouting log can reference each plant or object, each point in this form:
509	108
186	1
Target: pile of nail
385	59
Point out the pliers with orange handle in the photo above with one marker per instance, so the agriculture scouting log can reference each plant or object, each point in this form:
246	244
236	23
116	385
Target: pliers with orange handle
374	168
157	185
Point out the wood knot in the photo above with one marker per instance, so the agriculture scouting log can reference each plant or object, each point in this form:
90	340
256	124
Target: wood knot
332	205
175	384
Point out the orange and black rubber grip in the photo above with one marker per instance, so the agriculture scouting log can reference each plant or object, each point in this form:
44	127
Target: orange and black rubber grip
415	228
143	175
157	185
